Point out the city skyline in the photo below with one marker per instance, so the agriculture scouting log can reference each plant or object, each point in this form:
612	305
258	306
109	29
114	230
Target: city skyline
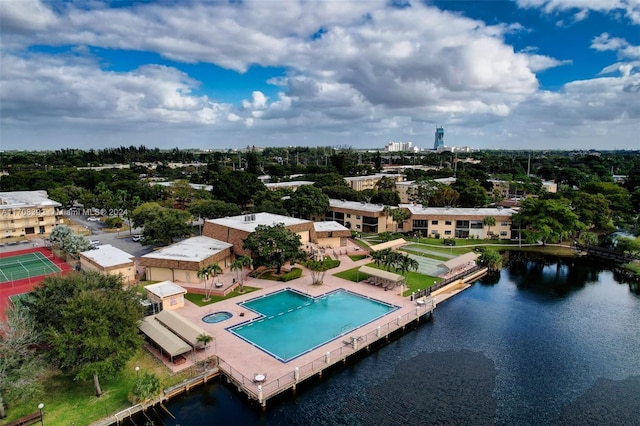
528	74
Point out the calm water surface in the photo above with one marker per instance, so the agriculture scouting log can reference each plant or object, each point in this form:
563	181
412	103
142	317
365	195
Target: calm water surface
546	343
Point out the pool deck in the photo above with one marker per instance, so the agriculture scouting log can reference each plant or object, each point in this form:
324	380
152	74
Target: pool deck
240	361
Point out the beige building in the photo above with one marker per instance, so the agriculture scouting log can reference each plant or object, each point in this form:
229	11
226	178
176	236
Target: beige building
234	230
109	260
167	294
405	188
331	234
24	213
291	186
360	216
442	222
182	261
360	183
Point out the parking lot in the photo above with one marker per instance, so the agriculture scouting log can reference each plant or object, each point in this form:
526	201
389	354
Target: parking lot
122	240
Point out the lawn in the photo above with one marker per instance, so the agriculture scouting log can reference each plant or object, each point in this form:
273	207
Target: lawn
67	402
357	257
198	298
415	281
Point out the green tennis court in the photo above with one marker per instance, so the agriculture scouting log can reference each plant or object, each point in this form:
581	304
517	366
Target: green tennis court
24	266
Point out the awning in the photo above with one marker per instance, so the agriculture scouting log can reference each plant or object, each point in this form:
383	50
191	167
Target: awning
385	275
185	329
389	244
163	337
460	260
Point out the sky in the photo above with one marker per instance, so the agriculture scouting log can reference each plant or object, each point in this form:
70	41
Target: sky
522	74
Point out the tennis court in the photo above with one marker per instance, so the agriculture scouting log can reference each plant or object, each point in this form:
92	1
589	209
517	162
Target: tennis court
25	266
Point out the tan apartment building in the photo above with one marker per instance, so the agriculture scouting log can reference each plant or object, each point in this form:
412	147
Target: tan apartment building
360	183
24	213
233	230
182	261
443	222
291	186
109	260
405	188
360	216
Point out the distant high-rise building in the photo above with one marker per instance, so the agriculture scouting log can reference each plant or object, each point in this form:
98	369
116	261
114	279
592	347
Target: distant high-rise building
439	142
398	146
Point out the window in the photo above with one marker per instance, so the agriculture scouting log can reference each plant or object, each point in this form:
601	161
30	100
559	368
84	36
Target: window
419	223
434	232
447	222
504	223
447	232
462	224
503	233
358	217
348	215
434	222
358	226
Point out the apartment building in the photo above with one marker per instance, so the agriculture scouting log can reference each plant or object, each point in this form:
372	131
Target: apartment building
404	188
360	216
292	186
24	213
360	183
443	222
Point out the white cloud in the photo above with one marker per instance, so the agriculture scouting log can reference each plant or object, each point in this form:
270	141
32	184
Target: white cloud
351	69
630	8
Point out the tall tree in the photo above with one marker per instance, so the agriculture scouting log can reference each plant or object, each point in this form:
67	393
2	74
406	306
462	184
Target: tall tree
307	201
238	265
20	365
273	246
89	322
213	209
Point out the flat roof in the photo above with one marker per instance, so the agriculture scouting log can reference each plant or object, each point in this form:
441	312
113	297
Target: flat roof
374	176
165	289
329	226
108	255
458	211
194	249
249	222
288	184
356	205
17	199
444	181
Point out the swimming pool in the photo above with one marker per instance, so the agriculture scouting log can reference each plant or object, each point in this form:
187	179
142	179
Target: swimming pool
293	323
216	317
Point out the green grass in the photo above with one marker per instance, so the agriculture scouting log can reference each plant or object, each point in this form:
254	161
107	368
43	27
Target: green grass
362	244
633	267
198	299
356	257
287	276
67	402
415	281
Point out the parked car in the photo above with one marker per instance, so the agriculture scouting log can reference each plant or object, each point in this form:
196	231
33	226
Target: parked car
449	242
94	243
136	238
93	219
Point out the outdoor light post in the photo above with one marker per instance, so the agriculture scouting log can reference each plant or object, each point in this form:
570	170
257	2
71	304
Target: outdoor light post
137	372
40	407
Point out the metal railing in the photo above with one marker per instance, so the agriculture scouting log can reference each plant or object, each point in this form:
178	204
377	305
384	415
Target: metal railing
267	389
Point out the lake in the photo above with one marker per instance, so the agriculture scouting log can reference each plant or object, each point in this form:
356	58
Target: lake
548	342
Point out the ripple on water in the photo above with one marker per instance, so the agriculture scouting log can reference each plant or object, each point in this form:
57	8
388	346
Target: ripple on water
452	387
607	402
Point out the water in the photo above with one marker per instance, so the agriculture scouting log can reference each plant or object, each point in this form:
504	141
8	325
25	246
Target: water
288	314
216	317
547	343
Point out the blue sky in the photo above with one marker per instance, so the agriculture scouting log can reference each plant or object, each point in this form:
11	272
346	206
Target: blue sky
524	74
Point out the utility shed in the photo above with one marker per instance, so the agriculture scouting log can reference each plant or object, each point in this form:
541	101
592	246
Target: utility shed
166	293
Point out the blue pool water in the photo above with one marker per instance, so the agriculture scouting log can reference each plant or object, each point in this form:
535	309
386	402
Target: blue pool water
293	324
216	317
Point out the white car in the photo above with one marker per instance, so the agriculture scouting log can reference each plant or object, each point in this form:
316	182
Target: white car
136	238
94	243
93	219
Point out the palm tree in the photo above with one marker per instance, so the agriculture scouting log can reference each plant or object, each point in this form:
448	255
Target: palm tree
205	273
489	221
214	270
205	339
